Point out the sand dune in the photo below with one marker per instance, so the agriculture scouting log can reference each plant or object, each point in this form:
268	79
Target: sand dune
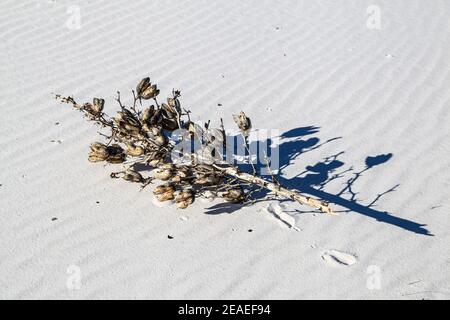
359	108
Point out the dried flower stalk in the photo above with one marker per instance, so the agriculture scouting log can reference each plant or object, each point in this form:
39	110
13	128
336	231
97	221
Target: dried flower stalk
141	137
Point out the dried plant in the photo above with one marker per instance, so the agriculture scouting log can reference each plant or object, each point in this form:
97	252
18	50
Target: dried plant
145	137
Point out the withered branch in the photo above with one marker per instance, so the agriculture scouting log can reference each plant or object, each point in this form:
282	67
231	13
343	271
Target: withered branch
142	138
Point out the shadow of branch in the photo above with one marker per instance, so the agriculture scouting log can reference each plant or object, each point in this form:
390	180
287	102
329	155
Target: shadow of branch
313	180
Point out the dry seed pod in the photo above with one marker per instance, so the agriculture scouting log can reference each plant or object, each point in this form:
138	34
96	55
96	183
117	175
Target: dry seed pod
133	176
115	154
99	152
169	111
157	118
129	126
164	188
243	122
98	105
128	129
184	199
142	87
126	117
95	108
152	92
146	90
132	121
169	124
143	84
147	114
115	149
134	151
132	131
164	192
96	145
99	149
235	194
115	159
163	174
88	108
183	204
184	195
94	158
165	196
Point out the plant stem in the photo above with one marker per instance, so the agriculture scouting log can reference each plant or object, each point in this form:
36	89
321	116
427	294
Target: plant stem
277	189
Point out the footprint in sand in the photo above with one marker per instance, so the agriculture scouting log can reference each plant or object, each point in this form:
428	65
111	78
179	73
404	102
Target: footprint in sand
335	258
277	211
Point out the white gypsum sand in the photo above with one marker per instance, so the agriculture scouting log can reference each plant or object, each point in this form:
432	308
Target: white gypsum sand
362	116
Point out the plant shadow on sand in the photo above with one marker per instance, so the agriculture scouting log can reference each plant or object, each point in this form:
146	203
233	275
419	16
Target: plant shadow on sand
313	180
